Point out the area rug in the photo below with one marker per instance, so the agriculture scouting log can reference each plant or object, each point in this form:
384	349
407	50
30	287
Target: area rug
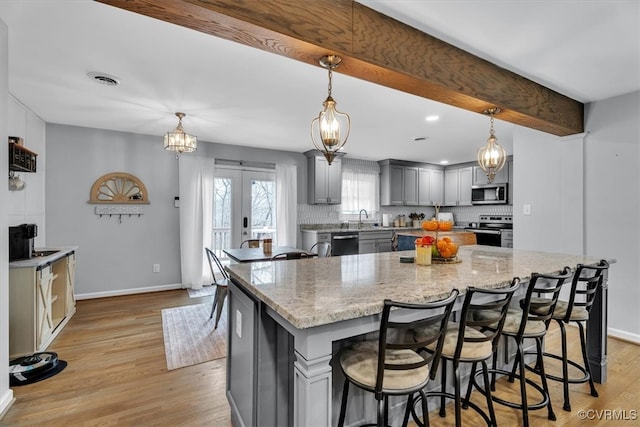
189	337
205	291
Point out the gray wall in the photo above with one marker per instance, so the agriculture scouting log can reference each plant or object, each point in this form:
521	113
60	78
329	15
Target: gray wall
585	199
116	257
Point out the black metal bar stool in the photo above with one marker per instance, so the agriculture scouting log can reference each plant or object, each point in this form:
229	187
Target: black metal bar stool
586	281
528	322
474	339
391	365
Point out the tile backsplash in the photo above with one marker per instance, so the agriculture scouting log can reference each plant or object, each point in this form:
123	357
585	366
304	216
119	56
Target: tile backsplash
330	214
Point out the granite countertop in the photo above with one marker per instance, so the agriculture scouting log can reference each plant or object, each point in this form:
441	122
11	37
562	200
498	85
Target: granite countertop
38	261
319	291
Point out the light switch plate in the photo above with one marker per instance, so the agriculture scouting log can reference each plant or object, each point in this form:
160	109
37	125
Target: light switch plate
526	209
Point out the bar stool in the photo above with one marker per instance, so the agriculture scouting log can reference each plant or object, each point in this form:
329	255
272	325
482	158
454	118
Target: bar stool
391	365
474	339
521	324
587	279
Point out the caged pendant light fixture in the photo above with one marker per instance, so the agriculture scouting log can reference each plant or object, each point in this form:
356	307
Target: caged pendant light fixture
330	125
491	157
179	141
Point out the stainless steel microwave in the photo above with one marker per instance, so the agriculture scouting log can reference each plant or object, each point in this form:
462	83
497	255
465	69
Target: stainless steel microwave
489	194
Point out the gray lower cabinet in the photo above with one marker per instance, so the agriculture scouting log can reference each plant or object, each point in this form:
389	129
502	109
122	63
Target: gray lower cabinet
324	180
370	242
311	237
259	364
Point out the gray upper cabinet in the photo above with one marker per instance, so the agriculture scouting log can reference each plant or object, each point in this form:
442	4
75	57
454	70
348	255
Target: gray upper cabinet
324	180
457	186
430	187
480	177
405	183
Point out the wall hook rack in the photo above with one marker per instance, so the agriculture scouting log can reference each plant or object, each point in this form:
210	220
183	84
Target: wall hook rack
119	211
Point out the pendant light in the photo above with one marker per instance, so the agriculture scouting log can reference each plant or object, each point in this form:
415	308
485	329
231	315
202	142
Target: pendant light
491	157
178	140
330	125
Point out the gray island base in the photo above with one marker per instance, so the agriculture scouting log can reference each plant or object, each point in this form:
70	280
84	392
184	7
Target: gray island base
288	319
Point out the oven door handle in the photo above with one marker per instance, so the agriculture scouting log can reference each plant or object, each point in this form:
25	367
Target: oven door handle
487	231
348	236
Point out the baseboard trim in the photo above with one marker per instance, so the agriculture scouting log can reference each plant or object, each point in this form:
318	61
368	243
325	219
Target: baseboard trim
122	292
5	402
624	336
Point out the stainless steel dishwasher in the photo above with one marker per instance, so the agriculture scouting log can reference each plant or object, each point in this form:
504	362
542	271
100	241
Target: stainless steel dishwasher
344	243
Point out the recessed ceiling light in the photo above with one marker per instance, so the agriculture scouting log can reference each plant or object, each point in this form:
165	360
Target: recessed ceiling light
432	118
420	138
444	162
104	79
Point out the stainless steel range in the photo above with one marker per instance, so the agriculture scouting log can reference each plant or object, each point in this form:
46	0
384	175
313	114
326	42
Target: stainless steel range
494	230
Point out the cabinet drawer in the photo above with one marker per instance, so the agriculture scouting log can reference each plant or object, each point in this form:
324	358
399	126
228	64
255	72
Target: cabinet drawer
375	235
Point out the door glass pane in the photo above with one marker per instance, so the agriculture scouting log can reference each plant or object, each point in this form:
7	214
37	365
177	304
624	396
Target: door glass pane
222	204
263	218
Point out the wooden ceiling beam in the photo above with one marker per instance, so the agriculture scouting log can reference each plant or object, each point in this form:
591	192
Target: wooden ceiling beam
376	48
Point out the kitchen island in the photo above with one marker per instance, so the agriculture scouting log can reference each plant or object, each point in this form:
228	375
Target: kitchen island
288	319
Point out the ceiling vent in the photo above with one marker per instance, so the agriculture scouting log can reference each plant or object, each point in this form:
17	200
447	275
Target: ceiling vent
104	79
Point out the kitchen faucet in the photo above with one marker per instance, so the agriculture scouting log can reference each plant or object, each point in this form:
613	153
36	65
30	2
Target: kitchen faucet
360	217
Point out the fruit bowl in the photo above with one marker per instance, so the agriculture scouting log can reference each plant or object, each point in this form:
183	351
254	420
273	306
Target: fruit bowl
430	225
445	225
444	249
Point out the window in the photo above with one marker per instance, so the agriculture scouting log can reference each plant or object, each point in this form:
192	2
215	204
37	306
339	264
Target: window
360	186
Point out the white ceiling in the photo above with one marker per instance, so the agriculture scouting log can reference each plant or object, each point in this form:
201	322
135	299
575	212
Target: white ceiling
234	94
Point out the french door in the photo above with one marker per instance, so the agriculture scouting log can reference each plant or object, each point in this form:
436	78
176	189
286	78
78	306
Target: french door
244	205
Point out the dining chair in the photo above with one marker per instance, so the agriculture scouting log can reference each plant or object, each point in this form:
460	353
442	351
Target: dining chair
323	249
251	243
222	285
392	365
290	255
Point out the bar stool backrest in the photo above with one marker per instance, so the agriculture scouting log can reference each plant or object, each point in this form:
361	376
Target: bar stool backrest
494	304
586	281
251	243
398	334
542	285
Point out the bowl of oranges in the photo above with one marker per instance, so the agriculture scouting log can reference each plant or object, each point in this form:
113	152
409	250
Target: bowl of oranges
435	225
444	249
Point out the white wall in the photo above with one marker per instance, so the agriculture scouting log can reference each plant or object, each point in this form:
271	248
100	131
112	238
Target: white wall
28	205
604	221
6	394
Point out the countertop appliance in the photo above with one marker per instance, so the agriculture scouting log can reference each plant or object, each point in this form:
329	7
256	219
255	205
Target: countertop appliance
344	243
489	194
494	230
21	241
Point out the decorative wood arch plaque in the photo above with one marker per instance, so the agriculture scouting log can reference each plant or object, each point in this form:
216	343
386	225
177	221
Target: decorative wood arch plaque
119	187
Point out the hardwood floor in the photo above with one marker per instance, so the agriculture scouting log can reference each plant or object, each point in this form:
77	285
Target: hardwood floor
117	376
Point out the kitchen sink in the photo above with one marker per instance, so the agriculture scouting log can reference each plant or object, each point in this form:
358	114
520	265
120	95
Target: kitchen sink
43	253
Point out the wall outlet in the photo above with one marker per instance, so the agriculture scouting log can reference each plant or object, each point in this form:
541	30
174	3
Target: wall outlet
238	324
156	268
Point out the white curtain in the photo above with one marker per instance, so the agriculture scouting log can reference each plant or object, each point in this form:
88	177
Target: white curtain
196	217
286	205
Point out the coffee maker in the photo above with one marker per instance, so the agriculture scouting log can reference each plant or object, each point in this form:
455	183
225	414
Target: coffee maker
21	241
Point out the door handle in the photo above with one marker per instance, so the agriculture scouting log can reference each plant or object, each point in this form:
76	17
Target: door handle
245	222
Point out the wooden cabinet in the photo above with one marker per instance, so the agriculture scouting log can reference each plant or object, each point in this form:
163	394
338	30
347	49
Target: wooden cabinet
408	184
457	186
41	302
430	187
324	179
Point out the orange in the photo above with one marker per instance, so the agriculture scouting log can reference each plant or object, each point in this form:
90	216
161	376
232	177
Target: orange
441	245
445	253
447	239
